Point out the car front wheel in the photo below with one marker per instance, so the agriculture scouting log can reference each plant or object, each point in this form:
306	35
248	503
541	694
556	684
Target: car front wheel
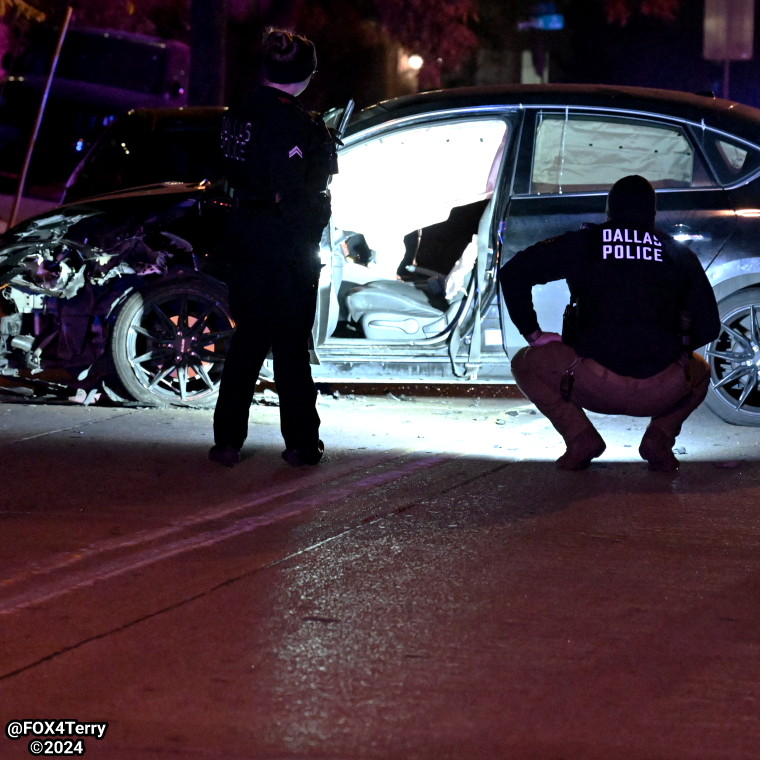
168	343
734	359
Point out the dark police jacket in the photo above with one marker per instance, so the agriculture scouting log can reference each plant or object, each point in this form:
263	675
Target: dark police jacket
276	154
642	297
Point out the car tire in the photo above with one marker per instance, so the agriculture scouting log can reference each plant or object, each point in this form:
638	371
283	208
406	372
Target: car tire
734	358
168	343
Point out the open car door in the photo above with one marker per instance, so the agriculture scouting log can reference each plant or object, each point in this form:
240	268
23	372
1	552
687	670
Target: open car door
406	233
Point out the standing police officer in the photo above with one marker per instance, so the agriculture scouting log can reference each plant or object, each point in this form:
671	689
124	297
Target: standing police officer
644	304
277	159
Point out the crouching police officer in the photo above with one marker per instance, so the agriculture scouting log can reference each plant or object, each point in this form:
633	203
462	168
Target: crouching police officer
277	160
643	304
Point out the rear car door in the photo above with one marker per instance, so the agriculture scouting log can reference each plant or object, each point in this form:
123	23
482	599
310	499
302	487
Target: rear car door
568	160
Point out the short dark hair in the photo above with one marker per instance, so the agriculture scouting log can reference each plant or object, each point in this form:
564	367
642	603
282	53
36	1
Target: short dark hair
632	199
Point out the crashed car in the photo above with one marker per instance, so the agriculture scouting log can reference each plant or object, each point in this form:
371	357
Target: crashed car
110	296
435	192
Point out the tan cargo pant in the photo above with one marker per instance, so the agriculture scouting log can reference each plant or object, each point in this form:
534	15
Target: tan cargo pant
668	397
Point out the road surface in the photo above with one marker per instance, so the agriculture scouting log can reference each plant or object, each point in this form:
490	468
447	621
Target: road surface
435	590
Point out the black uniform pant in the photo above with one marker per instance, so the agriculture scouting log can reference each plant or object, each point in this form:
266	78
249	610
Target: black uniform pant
273	298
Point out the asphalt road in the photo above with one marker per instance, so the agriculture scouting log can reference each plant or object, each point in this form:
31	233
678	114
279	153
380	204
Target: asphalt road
436	589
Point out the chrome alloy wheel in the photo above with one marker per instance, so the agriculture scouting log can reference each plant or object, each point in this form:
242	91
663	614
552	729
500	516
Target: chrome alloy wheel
169	343
734	359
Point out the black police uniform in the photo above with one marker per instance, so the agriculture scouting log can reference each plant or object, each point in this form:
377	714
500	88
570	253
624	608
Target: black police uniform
631	285
644	304
277	160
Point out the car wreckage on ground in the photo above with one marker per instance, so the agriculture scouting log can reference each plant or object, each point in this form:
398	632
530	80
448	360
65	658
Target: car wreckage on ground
121	293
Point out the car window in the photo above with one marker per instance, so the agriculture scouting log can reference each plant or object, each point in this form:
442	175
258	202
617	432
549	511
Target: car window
581	153
732	159
393	184
134	151
186	151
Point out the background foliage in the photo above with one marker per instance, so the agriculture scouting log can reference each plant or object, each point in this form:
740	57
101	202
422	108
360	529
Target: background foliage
443	32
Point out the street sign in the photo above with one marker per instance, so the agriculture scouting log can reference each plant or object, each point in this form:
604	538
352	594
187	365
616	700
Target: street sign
729	30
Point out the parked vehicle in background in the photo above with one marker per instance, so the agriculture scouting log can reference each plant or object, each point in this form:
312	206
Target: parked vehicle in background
101	74
435	192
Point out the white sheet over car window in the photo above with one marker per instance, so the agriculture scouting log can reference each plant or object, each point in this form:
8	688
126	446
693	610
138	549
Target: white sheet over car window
411	178
733	155
577	154
733	160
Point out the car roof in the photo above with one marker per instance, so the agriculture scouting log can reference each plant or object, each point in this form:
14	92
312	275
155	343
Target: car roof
725	115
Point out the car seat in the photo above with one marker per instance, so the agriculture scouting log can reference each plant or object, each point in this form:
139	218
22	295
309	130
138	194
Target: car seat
393	310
